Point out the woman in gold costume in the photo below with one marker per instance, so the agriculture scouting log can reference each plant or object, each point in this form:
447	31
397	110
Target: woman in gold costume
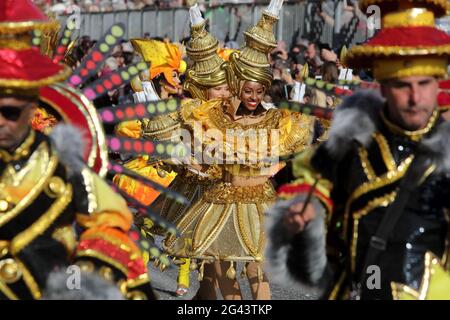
227	223
204	80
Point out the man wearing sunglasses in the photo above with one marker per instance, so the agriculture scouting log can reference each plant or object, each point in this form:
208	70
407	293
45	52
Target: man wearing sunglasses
56	215
15	115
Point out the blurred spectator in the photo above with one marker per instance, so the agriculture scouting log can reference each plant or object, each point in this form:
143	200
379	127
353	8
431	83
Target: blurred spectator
127	52
277	93
329	72
312	57
117	54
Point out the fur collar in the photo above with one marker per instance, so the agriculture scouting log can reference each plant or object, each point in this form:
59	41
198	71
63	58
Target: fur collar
356	119
68	143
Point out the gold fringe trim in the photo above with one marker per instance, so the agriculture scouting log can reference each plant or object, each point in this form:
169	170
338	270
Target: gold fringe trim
363	51
440	4
231	272
21	27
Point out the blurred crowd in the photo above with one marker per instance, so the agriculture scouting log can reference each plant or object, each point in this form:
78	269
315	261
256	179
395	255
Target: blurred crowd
291	64
68	6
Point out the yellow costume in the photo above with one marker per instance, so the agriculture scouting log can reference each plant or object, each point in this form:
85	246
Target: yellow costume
227	213
227	223
164	58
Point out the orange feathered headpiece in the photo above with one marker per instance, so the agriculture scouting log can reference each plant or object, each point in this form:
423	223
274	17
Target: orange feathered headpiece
163	57
225	53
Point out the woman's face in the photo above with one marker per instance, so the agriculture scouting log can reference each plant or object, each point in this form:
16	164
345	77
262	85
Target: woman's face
219	92
252	94
171	89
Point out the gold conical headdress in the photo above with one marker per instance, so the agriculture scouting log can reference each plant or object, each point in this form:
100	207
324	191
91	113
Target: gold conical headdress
206	71
252	64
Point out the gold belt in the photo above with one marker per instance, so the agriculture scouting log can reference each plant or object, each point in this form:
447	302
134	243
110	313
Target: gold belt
227	193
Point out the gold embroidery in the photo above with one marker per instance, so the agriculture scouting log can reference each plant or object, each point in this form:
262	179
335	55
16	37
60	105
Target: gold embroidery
89	184
386	153
66	236
412	135
378	182
7	291
383	201
336	288
30	281
100	256
21	240
22	151
227	193
103	236
254	251
138	281
222	122
34	192
366	165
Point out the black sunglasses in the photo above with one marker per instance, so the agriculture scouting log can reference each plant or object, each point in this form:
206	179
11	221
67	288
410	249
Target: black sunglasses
11	113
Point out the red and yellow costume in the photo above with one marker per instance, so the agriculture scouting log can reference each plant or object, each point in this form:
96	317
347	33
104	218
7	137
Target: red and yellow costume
46	188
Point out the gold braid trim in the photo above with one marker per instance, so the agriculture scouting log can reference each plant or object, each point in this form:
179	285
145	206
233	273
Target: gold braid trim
30	281
22	151
412	135
33	193
24	238
91	253
21	27
365	164
7	291
386	153
383	201
378	182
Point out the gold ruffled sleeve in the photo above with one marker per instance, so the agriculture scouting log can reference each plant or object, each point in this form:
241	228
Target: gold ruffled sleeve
296	132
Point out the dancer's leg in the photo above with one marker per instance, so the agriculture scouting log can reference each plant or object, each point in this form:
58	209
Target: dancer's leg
260	289
228	287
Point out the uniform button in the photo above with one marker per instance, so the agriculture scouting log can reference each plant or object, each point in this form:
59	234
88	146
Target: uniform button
408	246
400	148
421	230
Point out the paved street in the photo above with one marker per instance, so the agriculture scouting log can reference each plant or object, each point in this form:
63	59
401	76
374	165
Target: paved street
165	285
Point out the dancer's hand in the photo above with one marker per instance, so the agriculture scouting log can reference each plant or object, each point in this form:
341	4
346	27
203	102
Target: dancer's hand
295	220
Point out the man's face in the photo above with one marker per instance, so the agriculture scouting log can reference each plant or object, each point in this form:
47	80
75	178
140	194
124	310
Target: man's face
411	100
15	117
310	52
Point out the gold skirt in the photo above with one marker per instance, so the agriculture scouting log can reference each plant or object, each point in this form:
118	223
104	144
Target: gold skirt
227	223
186	184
